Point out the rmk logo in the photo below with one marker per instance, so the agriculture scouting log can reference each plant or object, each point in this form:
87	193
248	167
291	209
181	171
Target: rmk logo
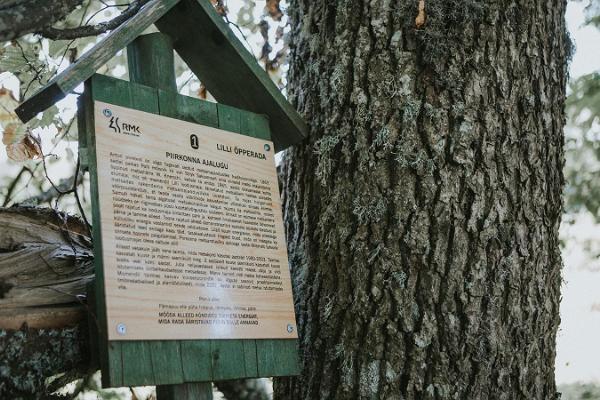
119	127
114	124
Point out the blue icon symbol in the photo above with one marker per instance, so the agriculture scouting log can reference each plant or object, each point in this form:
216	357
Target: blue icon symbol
107	113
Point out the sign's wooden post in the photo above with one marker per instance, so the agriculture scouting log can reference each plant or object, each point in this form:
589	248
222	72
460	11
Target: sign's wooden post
151	63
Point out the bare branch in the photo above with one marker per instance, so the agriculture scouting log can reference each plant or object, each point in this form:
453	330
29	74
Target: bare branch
93	30
63	187
19	17
13	184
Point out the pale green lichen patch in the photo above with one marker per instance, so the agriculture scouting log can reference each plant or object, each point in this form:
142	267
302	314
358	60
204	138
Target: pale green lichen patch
324	148
29	357
369	209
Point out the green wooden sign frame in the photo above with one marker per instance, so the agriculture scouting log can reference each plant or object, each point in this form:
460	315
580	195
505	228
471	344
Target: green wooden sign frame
172	362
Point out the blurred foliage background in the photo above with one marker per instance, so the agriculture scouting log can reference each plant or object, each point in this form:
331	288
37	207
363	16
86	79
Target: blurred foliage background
582	144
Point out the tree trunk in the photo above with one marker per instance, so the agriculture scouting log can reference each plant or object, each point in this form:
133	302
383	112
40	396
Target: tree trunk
45	262
422	214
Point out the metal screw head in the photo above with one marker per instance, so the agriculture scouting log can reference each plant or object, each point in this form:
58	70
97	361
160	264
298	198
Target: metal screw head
107	113
290	328
267	147
121	329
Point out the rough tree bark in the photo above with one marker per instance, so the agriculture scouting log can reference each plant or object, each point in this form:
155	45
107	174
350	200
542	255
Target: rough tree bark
45	262
422	215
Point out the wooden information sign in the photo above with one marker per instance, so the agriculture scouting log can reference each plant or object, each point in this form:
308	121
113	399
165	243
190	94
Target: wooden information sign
192	281
192	234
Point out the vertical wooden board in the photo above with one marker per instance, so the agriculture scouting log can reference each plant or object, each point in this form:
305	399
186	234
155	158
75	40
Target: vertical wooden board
115	365
137	363
166	361
255	125
112	375
127	362
188	109
229	118
82	135
150	61
227	359
250	361
277	357
93	325
196	360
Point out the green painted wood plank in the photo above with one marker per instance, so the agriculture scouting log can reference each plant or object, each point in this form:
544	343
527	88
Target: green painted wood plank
235	358
241	353
82	136
126	363
93	325
228	359
166	361
229	118
277	357
250	360
255	125
90	61
125	94
229	71
115	365
138	369
188	109
113	375
196	360
186	391
150	60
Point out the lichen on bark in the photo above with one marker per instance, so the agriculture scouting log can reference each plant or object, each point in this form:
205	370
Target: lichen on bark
30	357
422	213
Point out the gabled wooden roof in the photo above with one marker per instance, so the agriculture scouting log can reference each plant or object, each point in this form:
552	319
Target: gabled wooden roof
211	50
